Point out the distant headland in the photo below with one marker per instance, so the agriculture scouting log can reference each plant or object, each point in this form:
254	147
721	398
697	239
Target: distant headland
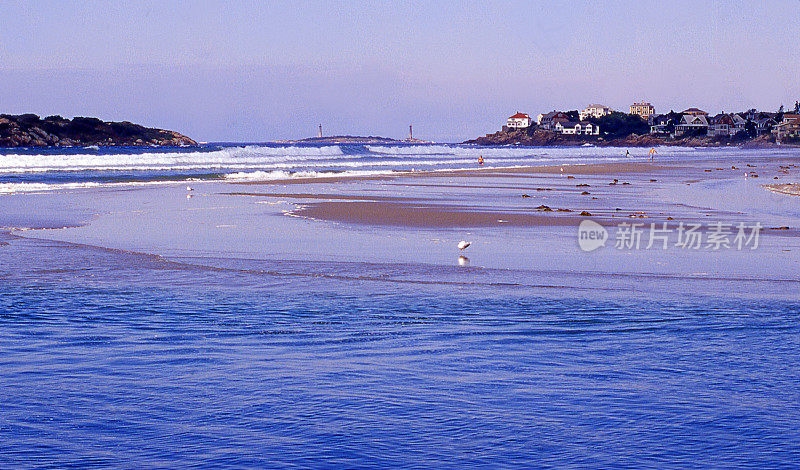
353	139
642	127
28	130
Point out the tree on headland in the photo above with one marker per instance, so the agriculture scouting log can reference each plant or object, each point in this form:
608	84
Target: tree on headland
797	107
673	119
750	129
573	115
617	124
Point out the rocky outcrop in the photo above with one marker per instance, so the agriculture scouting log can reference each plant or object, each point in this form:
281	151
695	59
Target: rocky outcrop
28	130
522	137
544	138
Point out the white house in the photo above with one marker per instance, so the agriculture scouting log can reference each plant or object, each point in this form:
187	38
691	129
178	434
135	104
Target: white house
548	121
787	128
645	110
721	125
725	125
659	124
519	121
739	122
576	128
765	125
692	122
595	110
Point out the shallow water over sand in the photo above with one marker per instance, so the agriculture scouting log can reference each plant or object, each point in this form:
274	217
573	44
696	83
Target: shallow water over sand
112	359
216	331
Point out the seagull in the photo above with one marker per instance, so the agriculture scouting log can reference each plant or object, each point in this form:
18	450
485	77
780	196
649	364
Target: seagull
462	245
189	188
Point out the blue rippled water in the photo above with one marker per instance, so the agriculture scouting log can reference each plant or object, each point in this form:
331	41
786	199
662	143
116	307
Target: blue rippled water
109	359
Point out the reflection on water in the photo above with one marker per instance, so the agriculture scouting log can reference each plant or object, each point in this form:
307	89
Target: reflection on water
111	359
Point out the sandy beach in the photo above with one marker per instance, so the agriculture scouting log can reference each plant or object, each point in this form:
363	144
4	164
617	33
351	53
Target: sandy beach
554	195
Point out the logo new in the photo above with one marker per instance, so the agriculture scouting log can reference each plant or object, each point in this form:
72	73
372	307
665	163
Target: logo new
591	235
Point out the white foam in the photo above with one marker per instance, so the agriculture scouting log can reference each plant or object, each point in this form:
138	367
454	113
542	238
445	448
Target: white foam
13	188
16	188
249	156
282	175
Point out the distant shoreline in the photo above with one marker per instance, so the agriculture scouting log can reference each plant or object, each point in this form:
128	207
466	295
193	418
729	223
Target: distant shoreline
351	139
541	138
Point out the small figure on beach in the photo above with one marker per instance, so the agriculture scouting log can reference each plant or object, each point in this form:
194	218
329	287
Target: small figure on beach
627	153
652	153
480	160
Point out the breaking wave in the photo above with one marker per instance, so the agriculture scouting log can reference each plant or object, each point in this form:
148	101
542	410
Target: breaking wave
26	170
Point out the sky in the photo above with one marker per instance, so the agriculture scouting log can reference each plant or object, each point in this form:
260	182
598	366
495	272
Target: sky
227	71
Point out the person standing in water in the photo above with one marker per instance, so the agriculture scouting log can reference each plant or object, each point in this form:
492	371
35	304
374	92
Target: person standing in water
480	160
627	153
652	153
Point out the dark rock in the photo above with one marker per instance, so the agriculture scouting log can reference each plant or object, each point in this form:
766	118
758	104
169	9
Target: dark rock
28	130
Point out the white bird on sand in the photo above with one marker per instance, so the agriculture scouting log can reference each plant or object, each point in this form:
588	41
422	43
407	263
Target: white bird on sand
189	188
463	244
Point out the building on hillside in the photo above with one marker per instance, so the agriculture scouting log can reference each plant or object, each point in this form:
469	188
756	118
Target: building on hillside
739	123
595	111
722	125
548	121
659	124
695	112
751	115
576	128
645	110
691	123
519	121
765	125
787	129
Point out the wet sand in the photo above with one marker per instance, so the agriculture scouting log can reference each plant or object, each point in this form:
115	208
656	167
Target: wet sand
517	218
560	195
425	215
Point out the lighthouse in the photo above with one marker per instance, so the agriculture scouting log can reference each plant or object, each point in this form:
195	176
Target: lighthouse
410	133
320	131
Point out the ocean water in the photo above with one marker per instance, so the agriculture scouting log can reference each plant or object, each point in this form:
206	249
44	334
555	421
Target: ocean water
31	170
111	358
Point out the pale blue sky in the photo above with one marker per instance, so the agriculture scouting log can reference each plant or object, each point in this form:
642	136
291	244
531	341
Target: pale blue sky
254	71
